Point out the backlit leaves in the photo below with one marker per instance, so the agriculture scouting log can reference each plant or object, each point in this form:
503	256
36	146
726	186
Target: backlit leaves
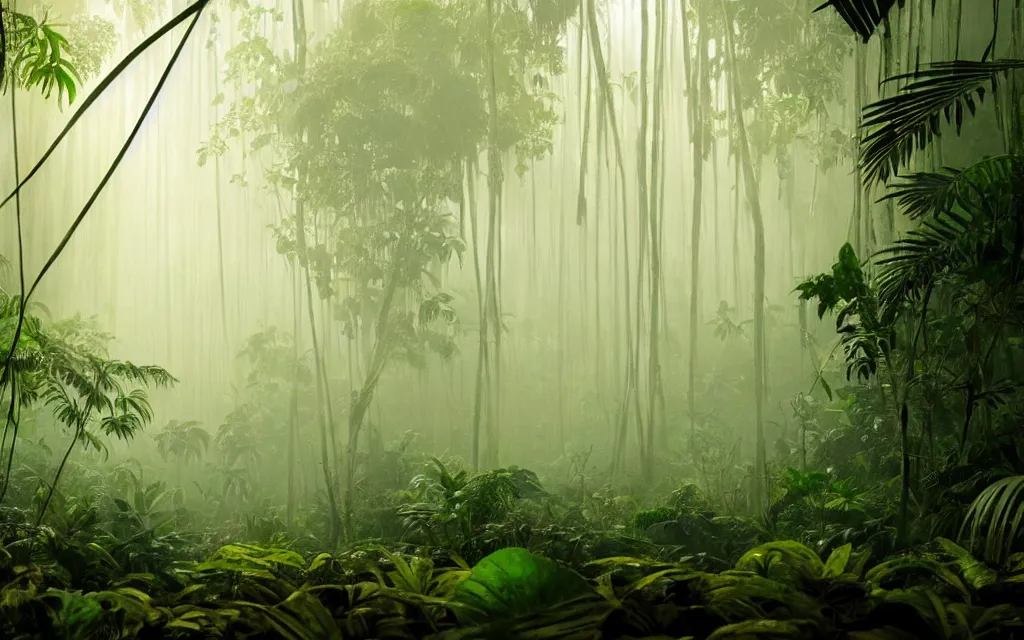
36	58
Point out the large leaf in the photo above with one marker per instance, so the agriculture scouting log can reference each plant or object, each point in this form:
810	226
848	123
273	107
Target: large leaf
974	571
862	16
766	629
784	561
835	566
996	516
512	582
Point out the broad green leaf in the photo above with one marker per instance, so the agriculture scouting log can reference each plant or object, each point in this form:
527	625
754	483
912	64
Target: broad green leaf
835	566
512	582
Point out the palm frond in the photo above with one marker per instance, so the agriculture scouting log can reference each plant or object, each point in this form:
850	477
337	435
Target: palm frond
973	189
862	16
924	194
912	263
911	119
964	214
997	515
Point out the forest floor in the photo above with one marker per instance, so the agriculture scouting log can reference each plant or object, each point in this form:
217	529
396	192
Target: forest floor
491	555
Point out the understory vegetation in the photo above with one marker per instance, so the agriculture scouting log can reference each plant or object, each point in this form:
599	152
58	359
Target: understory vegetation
493	555
846	462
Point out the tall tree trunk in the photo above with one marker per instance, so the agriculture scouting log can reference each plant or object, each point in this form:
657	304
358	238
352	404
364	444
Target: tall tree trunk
856	222
602	75
695	102
293	401
495	179
218	200
654	391
326	425
643	186
481	367
753	196
361	400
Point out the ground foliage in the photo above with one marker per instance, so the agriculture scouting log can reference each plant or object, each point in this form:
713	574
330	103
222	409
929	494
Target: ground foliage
485	555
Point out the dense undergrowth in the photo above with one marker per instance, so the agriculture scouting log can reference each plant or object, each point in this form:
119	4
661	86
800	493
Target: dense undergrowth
890	508
489	555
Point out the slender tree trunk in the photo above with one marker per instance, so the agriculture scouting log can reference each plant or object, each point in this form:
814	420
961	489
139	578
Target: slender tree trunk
753	197
481	368
293	401
643	186
654	391
299	34
602	75
495	180
217	196
695	87
857	223
361	401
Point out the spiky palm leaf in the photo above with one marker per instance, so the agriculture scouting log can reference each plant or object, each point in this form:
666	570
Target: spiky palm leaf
911	119
983	184
997	515
863	16
964	214
912	263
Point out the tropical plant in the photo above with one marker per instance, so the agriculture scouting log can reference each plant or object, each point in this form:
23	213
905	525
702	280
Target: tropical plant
184	441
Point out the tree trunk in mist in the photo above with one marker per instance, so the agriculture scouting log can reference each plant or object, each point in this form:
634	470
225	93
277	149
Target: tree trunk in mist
581	195
602	75
299	34
642	182
321	384
481	369
856	222
293	401
217	197
759	259
495	180
362	399
654	391
737	221
695	87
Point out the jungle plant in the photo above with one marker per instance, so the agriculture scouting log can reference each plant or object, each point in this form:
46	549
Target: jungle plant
35	55
186	441
64	366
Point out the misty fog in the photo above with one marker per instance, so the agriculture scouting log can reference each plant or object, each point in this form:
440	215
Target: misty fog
379	242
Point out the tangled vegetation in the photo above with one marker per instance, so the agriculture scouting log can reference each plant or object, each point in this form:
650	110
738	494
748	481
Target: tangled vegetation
489	555
891	503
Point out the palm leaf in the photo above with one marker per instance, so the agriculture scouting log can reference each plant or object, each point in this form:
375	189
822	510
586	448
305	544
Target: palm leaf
913	263
862	16
973	189
910	120
963	212
997	515
924	194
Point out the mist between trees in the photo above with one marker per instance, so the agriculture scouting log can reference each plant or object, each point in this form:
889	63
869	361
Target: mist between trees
737	252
